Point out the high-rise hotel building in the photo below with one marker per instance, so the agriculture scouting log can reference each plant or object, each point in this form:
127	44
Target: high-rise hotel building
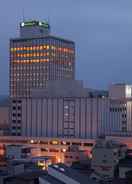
36	57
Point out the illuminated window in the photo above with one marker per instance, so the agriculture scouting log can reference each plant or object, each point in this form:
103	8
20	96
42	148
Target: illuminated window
54	142
12	49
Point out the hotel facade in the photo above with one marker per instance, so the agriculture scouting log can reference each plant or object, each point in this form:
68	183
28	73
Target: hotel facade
37	57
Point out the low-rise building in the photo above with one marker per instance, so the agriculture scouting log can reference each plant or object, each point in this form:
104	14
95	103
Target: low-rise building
125	165
106	155
4	115
17	152
74	154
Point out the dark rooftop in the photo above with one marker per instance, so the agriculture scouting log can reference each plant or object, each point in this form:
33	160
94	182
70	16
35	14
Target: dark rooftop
47	36
51	179
71	173
126	162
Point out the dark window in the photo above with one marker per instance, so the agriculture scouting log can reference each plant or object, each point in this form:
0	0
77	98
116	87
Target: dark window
19	108
43	149
18	121
13	114
124	122
13	134
54	150
104	161
76	143
123	115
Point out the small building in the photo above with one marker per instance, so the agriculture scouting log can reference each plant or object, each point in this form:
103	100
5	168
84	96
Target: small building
17	151
24	178
106	155
125	165
74	154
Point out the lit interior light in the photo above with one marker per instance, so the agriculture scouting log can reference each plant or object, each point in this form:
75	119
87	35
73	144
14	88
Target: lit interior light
40	23
59	160
63	142
22	24
54	142
64	150
31	141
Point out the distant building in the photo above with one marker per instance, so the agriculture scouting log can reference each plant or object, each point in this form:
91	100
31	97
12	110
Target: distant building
120	91
75	154
106	155
4	115
13	152
125	165
120	109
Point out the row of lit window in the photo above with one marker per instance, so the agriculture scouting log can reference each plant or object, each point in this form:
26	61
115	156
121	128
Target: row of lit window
40	60
28	67
32	54
41	47
30	61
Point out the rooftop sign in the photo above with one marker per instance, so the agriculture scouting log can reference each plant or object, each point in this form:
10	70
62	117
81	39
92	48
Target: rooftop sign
34	23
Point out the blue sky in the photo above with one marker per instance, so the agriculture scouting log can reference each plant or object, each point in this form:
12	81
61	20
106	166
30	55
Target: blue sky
102	30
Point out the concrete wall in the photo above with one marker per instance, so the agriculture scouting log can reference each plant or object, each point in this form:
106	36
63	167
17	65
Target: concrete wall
123	170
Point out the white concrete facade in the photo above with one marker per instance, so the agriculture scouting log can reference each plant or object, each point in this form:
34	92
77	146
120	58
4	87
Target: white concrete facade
50	117
66	109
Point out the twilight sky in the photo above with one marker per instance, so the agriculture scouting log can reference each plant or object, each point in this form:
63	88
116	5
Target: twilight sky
102	30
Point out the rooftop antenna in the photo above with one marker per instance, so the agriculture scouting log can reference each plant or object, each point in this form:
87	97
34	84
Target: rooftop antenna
23	15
